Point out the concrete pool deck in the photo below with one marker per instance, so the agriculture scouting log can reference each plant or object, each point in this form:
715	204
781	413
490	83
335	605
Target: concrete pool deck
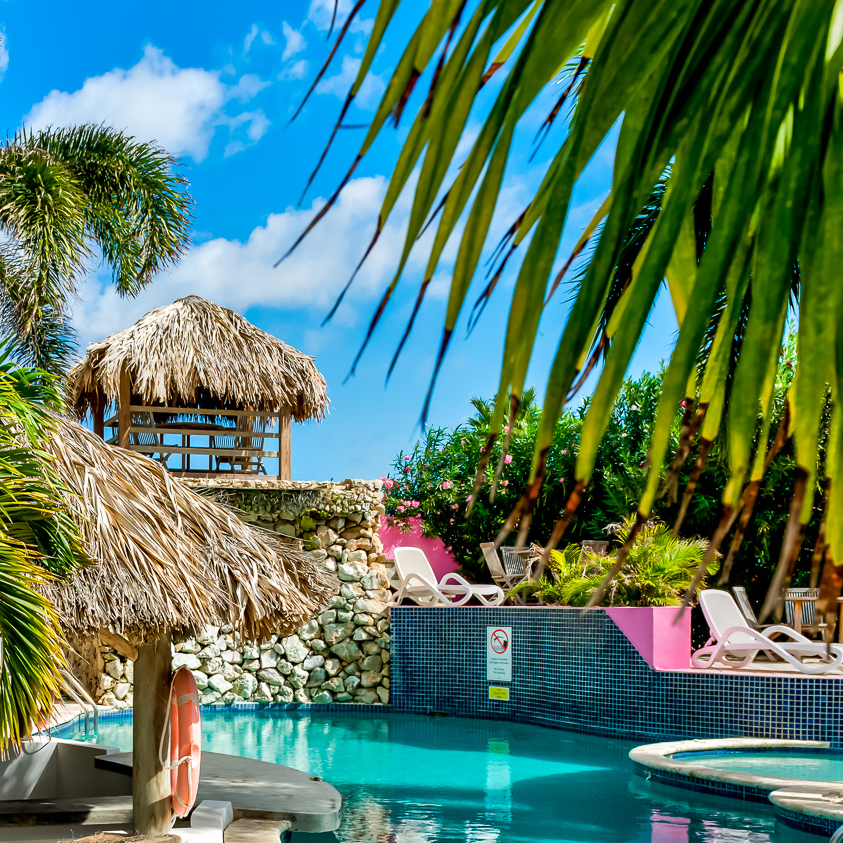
256	790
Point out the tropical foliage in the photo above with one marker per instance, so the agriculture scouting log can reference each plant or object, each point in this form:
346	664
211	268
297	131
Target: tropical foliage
657	571
430	486
736	106
64	194
37	540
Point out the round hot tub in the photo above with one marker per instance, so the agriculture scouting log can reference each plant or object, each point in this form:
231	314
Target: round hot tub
802	779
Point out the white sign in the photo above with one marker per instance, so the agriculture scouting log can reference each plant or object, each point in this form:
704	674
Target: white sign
499	653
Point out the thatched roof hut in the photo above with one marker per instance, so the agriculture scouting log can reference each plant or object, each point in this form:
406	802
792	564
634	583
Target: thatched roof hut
165	557
195	353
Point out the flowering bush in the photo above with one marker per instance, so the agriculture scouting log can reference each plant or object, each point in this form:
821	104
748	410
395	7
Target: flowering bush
434	482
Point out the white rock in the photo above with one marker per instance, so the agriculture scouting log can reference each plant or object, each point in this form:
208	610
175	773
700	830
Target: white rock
269	658
121	690
332	667
201	679
213	666
245	685
352	571
313	661
298	677
323	697
271	677
232	656
310	630
369	607
383	693
219	684
301	696
295	649
335	632
250	651
328	616
285	694
210	698
351	592
129	671
209	652
114	669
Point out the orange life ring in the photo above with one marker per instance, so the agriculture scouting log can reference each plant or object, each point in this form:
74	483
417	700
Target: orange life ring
185	742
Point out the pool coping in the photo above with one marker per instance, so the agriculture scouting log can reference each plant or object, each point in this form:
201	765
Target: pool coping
658	761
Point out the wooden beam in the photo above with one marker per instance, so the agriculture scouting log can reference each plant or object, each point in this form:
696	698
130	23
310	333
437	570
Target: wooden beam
124	414
285	449
119	644
99	416
196	411
151	805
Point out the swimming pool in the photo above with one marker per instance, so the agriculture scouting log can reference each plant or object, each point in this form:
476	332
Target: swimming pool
415	779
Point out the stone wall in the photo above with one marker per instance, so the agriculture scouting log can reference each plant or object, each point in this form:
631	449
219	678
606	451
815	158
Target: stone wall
340	656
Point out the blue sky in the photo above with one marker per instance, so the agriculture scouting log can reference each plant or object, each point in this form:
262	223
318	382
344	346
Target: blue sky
216	84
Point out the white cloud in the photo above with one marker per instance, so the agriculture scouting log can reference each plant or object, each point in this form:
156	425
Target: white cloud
179	108
254	32
321	12
4	54
295	42
241	274
340	84
295	70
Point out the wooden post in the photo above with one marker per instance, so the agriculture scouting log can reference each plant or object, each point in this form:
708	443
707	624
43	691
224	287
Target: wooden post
151	807
124	415
99	415
285	451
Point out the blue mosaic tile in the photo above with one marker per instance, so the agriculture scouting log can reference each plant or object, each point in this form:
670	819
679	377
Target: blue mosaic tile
576	670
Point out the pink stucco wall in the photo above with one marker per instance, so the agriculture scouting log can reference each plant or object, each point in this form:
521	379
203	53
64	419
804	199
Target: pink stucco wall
440	559
658	633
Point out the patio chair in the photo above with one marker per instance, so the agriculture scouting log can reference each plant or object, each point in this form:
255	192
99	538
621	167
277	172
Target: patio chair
509	573
237	440
147	437
734	643
418	583
745	606
808	613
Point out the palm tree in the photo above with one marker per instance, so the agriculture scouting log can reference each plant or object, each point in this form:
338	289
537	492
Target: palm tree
734	105
38	540
65	194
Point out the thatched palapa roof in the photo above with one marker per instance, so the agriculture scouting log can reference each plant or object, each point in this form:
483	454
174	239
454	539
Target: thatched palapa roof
196	353
165	557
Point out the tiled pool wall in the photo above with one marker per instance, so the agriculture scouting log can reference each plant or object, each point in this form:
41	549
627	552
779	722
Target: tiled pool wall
576	670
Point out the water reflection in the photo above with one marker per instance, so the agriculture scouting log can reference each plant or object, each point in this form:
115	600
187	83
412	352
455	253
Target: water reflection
413	779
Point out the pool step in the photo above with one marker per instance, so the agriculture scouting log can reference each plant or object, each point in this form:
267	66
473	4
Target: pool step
99	810
256	831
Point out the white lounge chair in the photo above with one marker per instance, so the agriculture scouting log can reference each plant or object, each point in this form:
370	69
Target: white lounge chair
418	583
734	643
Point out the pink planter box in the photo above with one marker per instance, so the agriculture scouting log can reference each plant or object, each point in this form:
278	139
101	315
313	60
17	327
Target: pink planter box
663	641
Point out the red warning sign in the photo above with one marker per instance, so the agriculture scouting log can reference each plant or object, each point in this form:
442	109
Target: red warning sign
499	641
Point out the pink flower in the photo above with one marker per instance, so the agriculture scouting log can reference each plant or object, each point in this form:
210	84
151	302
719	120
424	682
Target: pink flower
462	441
564	451
389	483
416	504
400	508
452	520
470	498
455	506
504	482
407	457
447	484
561	479
506	428
507	459
407	503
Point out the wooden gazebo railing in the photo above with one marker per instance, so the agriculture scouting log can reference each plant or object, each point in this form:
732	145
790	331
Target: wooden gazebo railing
168	435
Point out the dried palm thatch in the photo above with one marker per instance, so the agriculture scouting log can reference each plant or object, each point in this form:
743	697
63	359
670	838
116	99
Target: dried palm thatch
165	557
195	352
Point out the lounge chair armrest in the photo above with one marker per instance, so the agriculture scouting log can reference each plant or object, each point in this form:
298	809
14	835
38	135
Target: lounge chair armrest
457	578
786	630
421	580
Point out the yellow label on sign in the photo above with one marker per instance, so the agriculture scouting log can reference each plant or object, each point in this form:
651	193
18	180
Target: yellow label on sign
498	693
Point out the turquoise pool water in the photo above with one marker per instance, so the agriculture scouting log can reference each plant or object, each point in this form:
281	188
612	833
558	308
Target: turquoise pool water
813	766
415	779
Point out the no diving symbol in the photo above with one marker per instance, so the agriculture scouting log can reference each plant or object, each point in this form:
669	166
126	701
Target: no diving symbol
499	641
